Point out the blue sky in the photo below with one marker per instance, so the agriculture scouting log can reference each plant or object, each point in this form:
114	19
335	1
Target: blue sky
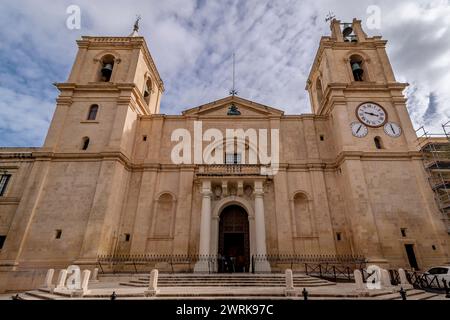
192	44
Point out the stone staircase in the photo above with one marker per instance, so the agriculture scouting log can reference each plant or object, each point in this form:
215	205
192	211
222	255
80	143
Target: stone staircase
227	280
225	286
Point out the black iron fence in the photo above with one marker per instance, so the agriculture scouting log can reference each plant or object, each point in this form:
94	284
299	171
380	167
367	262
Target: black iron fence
145	262
332	267
426	281
419	280
337	268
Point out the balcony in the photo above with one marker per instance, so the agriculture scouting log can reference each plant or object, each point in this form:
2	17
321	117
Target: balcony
230	170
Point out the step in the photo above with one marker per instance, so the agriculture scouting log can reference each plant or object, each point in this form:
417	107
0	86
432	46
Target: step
231	280
420	295
222	286
410	294
39	295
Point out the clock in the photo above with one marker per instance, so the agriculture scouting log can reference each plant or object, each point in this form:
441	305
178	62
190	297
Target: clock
359	130
393	130
371	114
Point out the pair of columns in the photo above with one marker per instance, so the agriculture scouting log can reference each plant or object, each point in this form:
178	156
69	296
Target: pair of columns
260	261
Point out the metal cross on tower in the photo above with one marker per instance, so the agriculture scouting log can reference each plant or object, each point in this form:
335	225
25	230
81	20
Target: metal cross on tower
136	23
330	16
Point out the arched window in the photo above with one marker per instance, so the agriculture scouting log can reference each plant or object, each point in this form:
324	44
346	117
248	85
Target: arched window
147	90
93	112
378	143
85	143
107	64
357	66
319	91
303	217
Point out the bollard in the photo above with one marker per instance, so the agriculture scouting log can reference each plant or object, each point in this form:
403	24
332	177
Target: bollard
61	284
290	290
48	280
305	294
16	297
152	290
403	293
94	277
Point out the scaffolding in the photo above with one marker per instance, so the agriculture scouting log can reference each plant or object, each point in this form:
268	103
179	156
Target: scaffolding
435	150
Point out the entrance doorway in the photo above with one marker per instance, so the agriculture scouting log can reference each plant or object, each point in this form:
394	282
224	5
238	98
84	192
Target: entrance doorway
234	243
411	256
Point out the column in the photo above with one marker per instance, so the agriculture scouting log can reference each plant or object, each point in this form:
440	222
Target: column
261	263
205	229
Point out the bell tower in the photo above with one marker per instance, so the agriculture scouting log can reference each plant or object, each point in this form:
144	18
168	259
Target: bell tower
113	81
353	86
353	83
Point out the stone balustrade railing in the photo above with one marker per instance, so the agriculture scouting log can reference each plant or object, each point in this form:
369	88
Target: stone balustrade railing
230	169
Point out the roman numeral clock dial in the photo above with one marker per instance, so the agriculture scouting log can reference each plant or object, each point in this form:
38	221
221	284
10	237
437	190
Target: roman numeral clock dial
371	114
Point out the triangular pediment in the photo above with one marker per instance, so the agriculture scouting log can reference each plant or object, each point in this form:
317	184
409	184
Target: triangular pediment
221	107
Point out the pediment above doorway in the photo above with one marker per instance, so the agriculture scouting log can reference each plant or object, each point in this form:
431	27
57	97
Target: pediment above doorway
233	107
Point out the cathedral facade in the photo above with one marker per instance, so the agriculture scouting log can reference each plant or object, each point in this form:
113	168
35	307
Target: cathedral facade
347	179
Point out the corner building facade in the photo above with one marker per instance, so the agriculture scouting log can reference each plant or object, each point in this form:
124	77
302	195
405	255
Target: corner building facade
104	182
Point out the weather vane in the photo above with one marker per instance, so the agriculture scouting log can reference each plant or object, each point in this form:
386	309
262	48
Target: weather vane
233	91
330	16
136	24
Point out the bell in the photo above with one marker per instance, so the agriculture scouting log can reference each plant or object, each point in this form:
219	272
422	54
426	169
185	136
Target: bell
107	70
146	91
348	29
357	71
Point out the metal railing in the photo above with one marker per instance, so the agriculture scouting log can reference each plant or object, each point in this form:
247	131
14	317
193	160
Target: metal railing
332	267
121	263
427	282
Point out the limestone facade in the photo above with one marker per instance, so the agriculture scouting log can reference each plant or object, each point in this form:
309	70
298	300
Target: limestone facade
334	193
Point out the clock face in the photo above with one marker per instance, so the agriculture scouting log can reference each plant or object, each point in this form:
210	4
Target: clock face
393	130
359	130
371	114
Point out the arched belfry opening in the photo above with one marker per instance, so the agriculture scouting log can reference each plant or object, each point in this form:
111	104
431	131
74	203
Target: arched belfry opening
234	240
107	66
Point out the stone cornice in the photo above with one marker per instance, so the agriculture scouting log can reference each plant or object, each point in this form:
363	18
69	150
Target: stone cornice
135	100
268	118
9	201
336	93
307	165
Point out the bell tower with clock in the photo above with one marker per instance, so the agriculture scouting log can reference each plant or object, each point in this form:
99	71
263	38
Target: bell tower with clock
352	81
352	84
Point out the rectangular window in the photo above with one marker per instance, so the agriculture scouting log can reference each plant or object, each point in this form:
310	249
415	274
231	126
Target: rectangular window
58	234
339	236
4	179
233	158
2	241
127	237
403	231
